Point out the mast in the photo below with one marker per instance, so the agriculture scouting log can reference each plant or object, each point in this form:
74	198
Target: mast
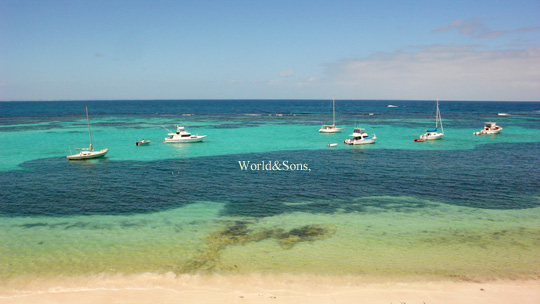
333	111
439	118
437	115
89	133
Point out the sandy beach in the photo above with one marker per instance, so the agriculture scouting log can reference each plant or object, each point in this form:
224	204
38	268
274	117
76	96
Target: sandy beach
168	288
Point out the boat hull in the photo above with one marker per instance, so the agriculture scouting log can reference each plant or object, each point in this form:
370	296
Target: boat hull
88	155
432	136
493	131
488	132
192	139
350	141
333	130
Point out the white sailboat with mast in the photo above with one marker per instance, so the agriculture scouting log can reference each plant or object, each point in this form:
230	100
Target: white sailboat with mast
433	133
331	128
87	153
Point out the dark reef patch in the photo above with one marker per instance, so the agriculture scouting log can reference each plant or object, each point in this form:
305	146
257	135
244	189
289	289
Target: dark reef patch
238	233
492	176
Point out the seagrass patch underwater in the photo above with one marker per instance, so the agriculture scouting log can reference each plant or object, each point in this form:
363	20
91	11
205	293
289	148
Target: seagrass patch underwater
461	206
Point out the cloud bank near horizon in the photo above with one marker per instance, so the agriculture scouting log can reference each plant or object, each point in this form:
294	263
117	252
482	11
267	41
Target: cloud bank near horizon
475	28
448	72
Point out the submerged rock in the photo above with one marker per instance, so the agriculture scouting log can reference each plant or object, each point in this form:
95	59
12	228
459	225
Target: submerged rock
238	233
308	233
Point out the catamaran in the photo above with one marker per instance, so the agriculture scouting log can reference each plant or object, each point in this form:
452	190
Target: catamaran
331	128
87	153
433	133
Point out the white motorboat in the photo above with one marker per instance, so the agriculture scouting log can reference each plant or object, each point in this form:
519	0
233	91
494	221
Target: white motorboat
433	133
332	145
182	136
503	114
143	142
360	137
331	128
489	128
87	153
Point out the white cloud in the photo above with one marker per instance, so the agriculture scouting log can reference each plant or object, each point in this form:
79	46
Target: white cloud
476	29
465	27
304	82
286	73
448	72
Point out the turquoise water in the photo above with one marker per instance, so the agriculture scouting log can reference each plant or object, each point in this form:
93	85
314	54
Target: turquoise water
463	206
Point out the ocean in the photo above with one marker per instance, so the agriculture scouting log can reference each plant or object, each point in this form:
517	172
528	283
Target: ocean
263	193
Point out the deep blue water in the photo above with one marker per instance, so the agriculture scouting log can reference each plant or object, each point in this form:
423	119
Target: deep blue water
462	114
493	176
37	109
55	187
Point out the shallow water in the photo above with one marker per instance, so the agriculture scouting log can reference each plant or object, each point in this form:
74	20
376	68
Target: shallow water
462	206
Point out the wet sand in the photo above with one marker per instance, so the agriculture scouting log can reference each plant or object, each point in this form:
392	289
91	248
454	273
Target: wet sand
168	288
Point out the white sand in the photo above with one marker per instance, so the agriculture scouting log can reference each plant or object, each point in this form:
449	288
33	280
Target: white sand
153	288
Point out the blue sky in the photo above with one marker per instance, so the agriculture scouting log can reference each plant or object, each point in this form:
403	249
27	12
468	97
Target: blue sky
452	50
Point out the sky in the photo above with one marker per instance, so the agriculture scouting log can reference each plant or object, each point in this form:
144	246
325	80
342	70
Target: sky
258	49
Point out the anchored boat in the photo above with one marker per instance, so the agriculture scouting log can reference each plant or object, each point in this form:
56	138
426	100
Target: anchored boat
489	128
360	137
87	153
143	142
182	136
331	128
433	133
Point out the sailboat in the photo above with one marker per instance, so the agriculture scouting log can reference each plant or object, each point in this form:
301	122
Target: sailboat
331	128
87	153
433	133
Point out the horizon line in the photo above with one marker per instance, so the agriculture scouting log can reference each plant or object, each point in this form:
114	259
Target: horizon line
260	99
